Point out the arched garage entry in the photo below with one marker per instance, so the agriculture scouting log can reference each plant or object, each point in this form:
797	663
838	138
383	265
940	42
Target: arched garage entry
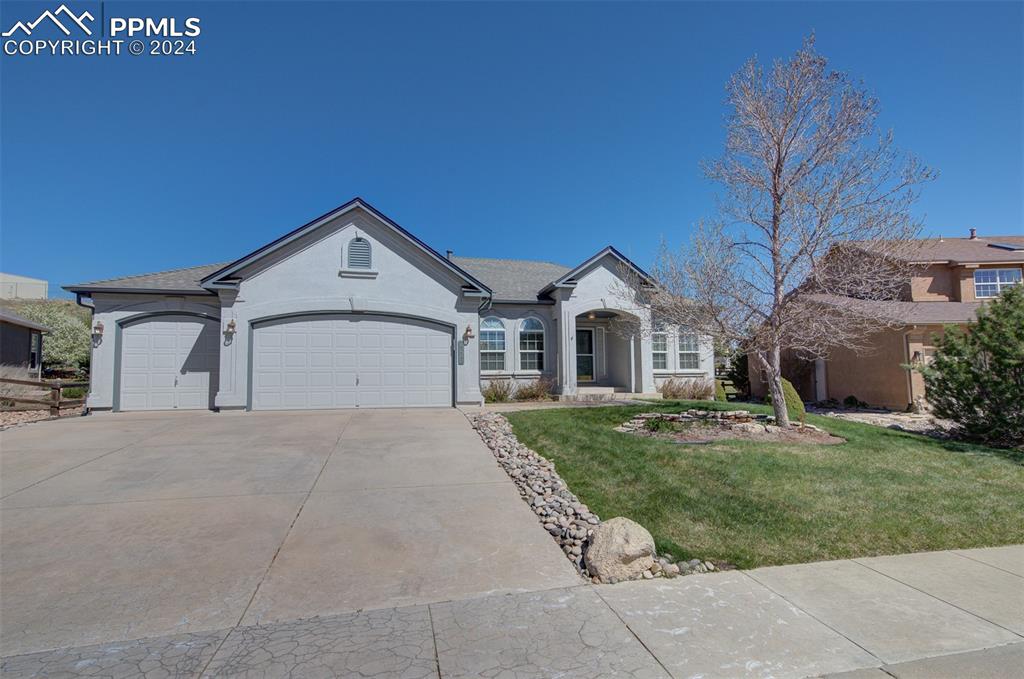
349	360
167	361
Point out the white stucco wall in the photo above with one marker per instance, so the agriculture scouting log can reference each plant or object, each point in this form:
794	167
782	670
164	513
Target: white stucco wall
308	276
112	309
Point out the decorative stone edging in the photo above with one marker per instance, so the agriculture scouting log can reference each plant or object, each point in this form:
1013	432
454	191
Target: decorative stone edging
737	420
569	522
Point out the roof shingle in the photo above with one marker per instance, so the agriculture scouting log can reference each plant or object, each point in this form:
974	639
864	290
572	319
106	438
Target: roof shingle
173	280
512	279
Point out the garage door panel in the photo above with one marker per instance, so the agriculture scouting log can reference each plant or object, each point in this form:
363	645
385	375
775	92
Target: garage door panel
398	362
168	363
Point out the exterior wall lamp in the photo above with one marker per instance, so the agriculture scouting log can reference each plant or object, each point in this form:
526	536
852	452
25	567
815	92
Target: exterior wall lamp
98	329
468	335
231	327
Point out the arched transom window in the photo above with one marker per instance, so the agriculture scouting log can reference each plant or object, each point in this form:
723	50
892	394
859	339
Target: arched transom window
359	254
531	345
492	344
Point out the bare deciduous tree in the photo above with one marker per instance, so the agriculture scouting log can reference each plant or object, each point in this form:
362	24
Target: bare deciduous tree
812	233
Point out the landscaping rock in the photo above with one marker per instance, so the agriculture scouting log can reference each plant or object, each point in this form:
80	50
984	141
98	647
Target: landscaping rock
620	549
570	522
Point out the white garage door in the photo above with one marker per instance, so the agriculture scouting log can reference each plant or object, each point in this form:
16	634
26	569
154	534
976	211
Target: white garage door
350	361
169	362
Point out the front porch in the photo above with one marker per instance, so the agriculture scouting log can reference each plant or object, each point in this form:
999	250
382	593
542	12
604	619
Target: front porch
602	357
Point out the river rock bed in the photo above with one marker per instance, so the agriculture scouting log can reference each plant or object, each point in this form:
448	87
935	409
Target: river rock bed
569	522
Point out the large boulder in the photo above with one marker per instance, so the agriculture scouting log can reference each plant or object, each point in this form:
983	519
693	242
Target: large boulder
619	549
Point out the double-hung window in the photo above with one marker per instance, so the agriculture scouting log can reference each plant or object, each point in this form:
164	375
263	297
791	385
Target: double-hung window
492	344
991	282
659	349
689	352
531	345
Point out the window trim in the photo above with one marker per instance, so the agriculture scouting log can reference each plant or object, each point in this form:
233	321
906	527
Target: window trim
695	351
539	352
1000	286
499	352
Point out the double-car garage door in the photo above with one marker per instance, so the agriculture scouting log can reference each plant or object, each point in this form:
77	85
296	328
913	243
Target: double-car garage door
350	361
310	362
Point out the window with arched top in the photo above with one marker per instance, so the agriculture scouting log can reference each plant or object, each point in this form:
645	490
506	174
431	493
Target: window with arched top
531	345
358	253
492	344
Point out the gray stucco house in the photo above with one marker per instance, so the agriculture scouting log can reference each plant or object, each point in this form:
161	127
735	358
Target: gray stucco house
21	343
351	310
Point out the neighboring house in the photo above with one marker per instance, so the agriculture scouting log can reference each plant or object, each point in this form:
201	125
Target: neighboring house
352	310
22	287
21	343
957	276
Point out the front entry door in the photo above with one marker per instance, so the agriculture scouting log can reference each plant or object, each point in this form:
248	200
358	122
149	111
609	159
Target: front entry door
584	355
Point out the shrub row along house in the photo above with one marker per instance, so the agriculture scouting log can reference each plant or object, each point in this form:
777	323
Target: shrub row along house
955	277
351	310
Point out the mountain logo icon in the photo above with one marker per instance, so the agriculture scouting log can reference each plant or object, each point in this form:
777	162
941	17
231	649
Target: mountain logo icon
67	14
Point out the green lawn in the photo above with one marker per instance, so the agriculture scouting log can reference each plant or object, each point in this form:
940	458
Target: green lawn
757	504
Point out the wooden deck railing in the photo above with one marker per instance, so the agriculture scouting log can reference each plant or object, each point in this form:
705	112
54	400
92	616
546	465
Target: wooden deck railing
56	400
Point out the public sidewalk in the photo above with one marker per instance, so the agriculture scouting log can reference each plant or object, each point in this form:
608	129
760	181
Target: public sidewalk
941	614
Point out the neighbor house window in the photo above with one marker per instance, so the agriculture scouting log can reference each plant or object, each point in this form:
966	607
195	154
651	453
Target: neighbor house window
34	349
689	353
531	345
492	344
659	347
991	282
359	253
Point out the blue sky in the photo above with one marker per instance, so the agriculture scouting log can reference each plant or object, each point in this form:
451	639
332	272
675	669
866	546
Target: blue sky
530	130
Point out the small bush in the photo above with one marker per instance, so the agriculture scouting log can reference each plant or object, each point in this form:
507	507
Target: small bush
852	402
74	392
720	394
977	377
794	404
687	389
538	390
499	391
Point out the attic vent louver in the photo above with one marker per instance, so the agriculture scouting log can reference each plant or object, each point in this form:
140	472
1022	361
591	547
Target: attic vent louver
359	253
1007	246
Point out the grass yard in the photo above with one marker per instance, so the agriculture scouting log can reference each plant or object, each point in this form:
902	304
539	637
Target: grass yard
758	504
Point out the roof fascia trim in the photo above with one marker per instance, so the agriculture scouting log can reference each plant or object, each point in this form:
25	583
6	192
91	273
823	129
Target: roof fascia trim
563	281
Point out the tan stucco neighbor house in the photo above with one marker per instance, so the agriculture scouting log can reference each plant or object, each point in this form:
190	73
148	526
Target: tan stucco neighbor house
957	276
351	310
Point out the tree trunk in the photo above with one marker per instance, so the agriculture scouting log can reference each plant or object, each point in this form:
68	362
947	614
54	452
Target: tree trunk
773	367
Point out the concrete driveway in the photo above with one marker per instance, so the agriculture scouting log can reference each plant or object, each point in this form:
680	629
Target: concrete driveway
118	527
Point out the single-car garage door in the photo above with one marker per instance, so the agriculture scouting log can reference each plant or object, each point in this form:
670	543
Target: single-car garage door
350	361
169	362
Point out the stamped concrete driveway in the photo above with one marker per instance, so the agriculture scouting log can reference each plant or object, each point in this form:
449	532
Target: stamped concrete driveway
118	527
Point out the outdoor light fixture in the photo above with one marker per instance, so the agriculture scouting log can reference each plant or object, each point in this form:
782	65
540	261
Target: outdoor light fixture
591	315
469	332
230	330
98	328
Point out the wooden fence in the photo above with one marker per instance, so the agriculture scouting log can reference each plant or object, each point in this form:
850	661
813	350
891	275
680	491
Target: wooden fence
56	400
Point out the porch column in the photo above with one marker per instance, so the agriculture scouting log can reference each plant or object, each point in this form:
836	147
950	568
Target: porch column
566	350
646	353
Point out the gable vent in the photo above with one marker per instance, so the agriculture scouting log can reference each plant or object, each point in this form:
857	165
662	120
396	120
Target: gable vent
359	253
